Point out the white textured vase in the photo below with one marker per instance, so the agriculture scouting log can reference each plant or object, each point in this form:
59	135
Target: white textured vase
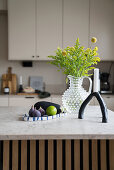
74	96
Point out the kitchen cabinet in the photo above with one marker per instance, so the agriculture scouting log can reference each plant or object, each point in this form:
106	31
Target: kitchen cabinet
3	4
49	27
21	29
34	28
25	100
101	27
75	22
3	100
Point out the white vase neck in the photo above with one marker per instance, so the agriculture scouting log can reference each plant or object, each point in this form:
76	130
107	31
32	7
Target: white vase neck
75	81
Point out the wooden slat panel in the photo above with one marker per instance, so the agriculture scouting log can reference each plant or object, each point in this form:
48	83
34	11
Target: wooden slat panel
59	155
23	155
85	154
41	155
68	154
6	155
111	151
94	155
50	155
76	154
103	154
14	155
32	155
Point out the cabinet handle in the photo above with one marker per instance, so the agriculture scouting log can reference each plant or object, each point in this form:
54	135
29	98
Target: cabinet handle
29	97
37	56
33	56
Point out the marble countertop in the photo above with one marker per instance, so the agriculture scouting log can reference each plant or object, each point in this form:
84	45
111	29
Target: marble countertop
12	127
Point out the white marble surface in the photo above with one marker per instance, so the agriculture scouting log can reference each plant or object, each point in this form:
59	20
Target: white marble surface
70	127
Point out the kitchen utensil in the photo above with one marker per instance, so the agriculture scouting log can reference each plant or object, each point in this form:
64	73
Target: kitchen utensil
9	80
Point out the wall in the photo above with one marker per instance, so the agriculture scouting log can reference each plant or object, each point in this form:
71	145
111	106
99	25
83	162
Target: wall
54	80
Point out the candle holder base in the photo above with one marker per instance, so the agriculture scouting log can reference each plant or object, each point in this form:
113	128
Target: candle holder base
101	103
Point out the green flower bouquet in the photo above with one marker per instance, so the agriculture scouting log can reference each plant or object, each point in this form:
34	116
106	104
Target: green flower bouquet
76	61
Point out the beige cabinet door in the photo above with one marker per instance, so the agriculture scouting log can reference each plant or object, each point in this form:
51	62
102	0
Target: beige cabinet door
75	22
49	27
3	4
21	29
102	26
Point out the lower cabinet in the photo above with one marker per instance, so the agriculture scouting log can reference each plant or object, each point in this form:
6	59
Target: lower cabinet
3	100
31	100
57	154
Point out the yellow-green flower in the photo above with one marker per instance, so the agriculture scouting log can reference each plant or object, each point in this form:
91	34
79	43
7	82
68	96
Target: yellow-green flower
97	59
74	57
95	53
64	53
93	40
88	50
96	48
84	58
72	48
58	48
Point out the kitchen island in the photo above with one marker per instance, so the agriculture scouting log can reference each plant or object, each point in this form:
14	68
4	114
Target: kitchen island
65	143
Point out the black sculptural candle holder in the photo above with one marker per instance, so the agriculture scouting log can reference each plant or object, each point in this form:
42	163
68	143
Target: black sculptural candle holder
101	103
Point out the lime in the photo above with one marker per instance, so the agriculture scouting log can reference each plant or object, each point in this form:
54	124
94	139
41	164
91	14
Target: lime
51	110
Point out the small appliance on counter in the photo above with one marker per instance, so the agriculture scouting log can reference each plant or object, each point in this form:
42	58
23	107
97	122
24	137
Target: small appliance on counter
104	83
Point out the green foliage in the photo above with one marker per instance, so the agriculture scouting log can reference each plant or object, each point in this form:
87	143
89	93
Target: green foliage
75	60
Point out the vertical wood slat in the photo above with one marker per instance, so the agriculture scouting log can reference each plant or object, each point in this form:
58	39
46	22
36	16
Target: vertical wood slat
50	155
76	154
24	155
94	155
41	155
32	155
5	155
103	154
15	155
68	154
85	154
111	152
59	155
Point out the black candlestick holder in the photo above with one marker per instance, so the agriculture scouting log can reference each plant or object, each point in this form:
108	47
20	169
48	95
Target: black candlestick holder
101	103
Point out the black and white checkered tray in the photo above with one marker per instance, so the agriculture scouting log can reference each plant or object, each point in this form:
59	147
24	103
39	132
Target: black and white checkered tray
45	117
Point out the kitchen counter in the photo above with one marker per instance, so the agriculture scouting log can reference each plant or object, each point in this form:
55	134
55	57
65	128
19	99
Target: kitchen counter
62	142
12	127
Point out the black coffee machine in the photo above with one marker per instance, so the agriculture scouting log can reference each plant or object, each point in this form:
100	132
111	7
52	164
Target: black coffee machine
104	83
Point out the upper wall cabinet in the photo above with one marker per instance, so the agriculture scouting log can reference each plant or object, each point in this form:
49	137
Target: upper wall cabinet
49	27
21	29
102	27
75	22
3	4
35	28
